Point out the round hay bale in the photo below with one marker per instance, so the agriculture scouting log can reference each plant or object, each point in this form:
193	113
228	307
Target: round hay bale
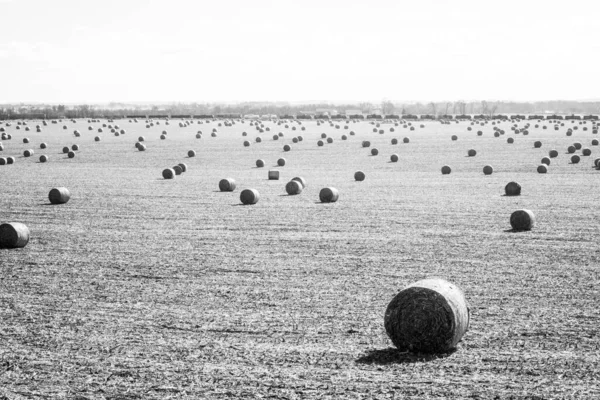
74	147
294	140
59	195
213	134
141	147
542	168
249	196
198	135
344	137
429	316
394	141
406	140
586	152
141	139
301	180
512	189
522	220
258	139
454	137
597	162
13	235
300	138
281	162
553	153
537	144
293	187
246	143
1	147
496	134
488	170
287	147
227	185
323	136
374	152
366	143
10	160
471	153
65	150
178	170
359	176
394	157
43	158
260	163
97	138
329	195
280	134
352	133
162	137
510	140
575	159
577	145
183	167
446	170
479	133
71	154
546	160
25	140
595	142
275	137
329	140
28	153
2	161
191	153
168	173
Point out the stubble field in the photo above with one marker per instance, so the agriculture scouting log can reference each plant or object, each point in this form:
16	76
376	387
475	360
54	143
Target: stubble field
146	288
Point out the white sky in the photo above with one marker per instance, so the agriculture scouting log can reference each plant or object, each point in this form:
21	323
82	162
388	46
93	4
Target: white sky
77	51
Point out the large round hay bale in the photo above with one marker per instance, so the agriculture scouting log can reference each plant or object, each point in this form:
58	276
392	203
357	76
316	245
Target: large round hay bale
10	160
178	170
586	152
246	143
287	147
301	180
227	185
323	136
65	149
141	147
25	140
183	167
191	153
141	139
13	235
43	158
359	176
329	140
394	157
374	152
488	170
281	162
320	143
97	138
163	137
293	187
168	173
512	189
575	159
294	140
260	163
546	160
429	316
71	154
479	133
542	168
577	145
454	137
198	135
553	153
300	138
394	141
510	140
75	147
471	153
406	140
28	153
59	195
2	161
446	170
366	143
595	142
249	196
329	195
537	144
213	134
597	163
522	220
344	137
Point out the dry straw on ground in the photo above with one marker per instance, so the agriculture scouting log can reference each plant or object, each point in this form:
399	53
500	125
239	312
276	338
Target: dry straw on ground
429	316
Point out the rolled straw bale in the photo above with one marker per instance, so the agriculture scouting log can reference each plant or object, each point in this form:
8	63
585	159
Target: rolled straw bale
394	157
293	187
359	176
575	159
273	175
294	140
512	189
352	133
281	162
406	140
227	185
329	140
43	158
198	135
260	163
141	147
65	150
1	147
25	140
446	170
28	153
479	133
496	134
71	154
163	137
577	145
510	140
2	161
553	153
429	316
522	220
300	138
75	147
537	144
366	143
301	180
374	152
542	168
344	137
191	153
249	196
280	134
586	152
471	153
10	160
168	173
597	162
213	134
59	195
394	141
183	166
595	142
329	195
488	170
178	170
97	138
287	147
454	137
275	137
323	136
258	139
141	139
13	235
546	160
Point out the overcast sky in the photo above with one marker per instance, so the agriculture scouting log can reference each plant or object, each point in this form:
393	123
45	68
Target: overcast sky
77	51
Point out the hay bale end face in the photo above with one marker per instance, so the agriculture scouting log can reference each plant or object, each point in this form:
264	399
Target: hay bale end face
586	152
65	150
293	187
512	189
537	144
13	235
273	175
43	158
575	159
281	162
59	195
178	170
287	147
446	170
191	153
227	185
141	147
359	176
168	173
522	220
374	152
366	143
488	170
471	153
429	316
249	196
553	153
260	163
394	157
542	168
546	160
329	195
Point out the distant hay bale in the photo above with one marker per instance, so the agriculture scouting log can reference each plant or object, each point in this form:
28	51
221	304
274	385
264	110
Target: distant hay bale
178	170
75	147
571	149
59	195
329	195
13	235
246	143
258	139
162	137
406	140
100	130
352	133
454	137
287	148
595	142
3	161
141	147
293	188
512	189
575	159
359	176
25	140
260	163
198	135
472	153
10	160
344	137
65	150
273	175
213	134
183	167
301	180
43	158
366	143
281	162
522	220
394	157
496	134
97	138
586	152
542	168
28	153
280	134
479	133
227	185
488	170
577	145
381	131
141	139
597	162
294	140
329	140
428	316
71	154
394	141
553	153
249	196
374	152
275	137
168	173
546	160
510	140
446	170
76	133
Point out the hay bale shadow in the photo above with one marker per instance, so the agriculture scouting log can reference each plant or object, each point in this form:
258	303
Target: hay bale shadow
394	356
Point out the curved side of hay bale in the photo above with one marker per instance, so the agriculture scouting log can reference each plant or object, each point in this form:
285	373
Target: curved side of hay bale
287	147
406	140
446	170
168	173
586	152
394	157
488	170
512	189
2	161
366	143
359	176
249	196
542	168
227	185
183	167
10	160
260	163
537	144
141	147
75	147
178	170
575	159
374	152
59	195
43	158
281	162
429	316
301	180
329	195
28	153
546	160
553	153
13	235
522	220
293	187
191	153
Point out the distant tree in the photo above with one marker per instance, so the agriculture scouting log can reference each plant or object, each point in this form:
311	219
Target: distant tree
432	109
387	107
